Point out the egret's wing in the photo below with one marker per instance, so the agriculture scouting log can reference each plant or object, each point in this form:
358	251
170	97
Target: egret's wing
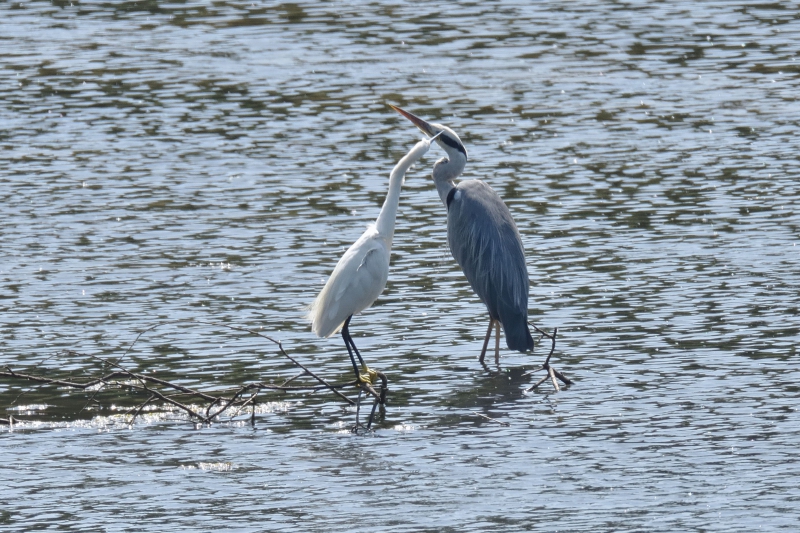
368	278
356	282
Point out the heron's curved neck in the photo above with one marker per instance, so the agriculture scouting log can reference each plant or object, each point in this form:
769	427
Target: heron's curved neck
444	172
388	214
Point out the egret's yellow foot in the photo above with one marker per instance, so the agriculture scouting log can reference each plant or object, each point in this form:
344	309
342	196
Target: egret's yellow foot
367	375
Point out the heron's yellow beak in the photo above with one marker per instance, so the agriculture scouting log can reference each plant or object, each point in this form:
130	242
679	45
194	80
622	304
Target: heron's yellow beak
426	128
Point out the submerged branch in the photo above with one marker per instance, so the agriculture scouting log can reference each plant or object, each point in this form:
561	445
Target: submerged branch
552	373
200	406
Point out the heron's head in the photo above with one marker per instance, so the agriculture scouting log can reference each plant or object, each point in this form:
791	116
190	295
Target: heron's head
447	138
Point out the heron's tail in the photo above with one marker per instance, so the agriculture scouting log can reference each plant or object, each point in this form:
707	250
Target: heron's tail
518	336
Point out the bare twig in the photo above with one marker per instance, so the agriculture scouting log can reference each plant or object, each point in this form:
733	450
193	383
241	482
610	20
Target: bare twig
22	393
379	399
139	409
253	416
161	391
490	419
358	410
298	376
283	352
552	373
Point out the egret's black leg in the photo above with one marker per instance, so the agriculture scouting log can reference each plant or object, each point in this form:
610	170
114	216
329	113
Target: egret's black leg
486	340
348	340
353	344
364	374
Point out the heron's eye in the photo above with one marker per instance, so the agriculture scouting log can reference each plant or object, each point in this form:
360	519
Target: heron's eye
452	143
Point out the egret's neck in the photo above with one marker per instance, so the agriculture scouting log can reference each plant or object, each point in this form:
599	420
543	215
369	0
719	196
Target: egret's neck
444	172
388	214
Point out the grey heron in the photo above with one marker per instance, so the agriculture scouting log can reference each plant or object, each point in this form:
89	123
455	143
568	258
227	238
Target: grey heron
485	242
360	275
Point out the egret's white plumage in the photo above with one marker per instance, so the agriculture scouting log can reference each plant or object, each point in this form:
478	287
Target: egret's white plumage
361	274
357	281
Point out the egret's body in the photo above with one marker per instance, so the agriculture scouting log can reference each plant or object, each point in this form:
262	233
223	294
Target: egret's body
356	282
484	240
360	275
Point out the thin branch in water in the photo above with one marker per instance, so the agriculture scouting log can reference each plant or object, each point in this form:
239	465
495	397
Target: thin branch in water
298	376
490	419
283	352
379	400
138	410
228	402
253	415
552	373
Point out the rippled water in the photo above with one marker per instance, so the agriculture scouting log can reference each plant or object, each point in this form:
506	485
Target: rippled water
211	161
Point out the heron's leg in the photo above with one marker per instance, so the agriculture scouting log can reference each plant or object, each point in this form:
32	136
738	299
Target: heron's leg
497	342
486	340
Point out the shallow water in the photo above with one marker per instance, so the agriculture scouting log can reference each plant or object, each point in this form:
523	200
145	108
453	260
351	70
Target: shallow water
211	161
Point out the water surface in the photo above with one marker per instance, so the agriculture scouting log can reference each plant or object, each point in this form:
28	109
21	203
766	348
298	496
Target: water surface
211	161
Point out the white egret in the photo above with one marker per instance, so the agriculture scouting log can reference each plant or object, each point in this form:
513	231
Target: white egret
361	274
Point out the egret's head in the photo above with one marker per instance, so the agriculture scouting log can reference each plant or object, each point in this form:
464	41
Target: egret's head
447	138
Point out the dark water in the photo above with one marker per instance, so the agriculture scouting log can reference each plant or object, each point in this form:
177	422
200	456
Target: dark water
211	161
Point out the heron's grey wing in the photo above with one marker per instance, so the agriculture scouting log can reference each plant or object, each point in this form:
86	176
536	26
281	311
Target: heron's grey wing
486	244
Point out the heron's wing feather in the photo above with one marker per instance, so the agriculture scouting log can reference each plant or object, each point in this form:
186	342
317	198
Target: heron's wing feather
486	244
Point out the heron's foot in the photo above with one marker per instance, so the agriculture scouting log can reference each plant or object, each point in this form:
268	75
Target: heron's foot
367	376
552	375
